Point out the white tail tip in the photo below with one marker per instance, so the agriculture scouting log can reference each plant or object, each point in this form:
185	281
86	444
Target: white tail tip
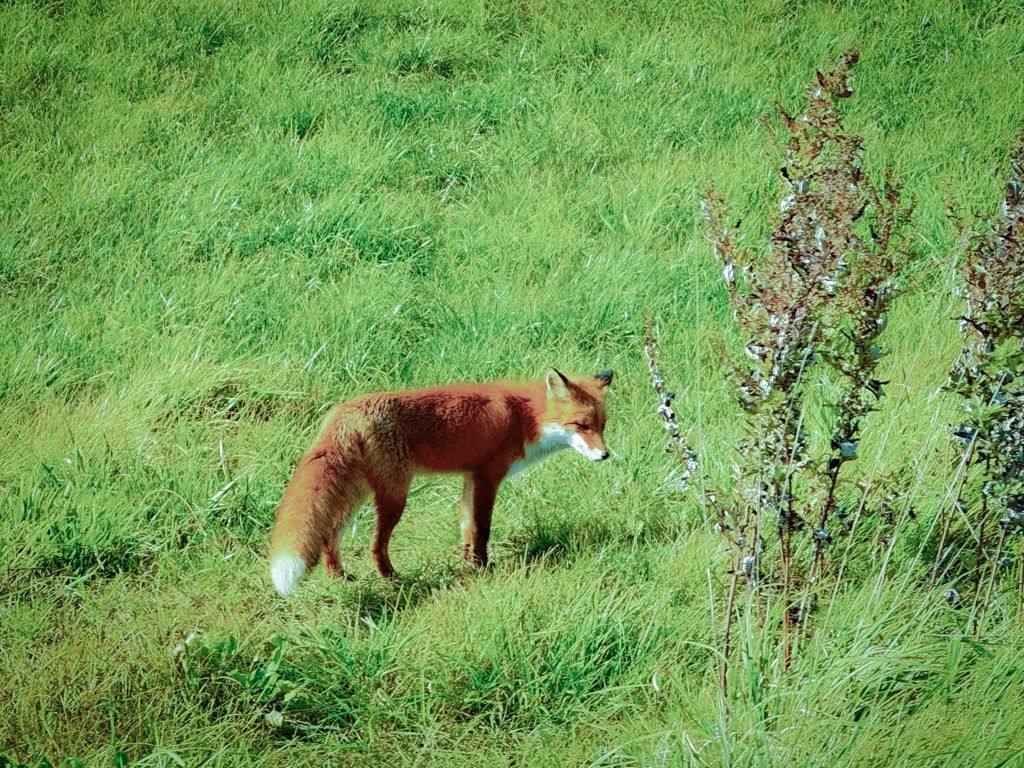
285	572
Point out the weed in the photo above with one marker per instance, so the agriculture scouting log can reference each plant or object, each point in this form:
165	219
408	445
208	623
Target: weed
820	297
989	378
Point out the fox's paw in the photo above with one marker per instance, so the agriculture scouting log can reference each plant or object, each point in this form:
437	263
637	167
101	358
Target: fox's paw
470	555
332	564
384	567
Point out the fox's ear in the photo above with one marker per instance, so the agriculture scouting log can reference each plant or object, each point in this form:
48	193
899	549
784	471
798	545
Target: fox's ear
604	379
558	385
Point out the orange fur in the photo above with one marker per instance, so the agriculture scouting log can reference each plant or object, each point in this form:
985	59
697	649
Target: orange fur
376	443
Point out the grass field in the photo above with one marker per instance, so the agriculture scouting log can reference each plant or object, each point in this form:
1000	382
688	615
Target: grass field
219	218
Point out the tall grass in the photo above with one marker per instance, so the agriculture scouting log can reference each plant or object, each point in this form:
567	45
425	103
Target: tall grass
218	219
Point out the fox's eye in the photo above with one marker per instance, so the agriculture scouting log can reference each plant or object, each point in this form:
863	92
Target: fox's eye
583	427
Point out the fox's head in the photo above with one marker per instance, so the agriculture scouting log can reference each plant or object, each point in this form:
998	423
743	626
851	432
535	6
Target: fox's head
575	413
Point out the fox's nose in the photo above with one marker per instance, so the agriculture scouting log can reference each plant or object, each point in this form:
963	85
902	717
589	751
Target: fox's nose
604	455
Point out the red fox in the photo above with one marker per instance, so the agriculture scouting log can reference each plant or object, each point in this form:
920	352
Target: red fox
378	442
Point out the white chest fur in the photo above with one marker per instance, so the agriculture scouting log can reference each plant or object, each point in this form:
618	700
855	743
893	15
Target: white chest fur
553	437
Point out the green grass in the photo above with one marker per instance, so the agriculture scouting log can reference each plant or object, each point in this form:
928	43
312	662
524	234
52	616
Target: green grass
217	219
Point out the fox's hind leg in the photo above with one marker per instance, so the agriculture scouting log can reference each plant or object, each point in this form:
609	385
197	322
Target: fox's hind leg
390	501
343	505
332	560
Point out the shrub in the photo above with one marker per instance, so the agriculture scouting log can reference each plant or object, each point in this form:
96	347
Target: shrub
988	486
813	303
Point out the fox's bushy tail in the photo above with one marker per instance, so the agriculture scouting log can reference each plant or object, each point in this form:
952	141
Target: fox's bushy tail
320	499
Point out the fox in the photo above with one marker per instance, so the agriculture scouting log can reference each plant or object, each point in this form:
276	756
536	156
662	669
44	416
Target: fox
378	442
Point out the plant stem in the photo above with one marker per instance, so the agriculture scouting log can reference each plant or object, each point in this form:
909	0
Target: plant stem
819	552
992	574
978	551
727	635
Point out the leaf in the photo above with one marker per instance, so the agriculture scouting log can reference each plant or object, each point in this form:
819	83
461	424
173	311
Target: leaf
275	718
978	648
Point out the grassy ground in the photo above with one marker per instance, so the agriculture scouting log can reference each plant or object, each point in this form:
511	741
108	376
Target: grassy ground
219	218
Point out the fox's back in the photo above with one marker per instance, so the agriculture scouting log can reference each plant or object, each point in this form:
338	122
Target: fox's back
445	429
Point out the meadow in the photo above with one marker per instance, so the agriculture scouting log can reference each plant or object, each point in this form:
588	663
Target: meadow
220	218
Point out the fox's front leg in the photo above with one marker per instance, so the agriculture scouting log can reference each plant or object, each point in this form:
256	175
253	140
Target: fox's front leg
478	495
